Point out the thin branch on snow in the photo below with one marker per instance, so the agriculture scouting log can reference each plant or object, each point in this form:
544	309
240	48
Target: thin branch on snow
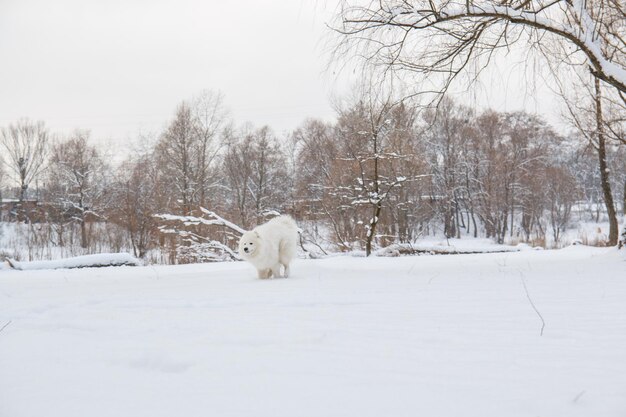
577	397
5	325
543	323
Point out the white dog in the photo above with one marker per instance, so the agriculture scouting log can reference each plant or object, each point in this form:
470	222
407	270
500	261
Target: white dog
270	245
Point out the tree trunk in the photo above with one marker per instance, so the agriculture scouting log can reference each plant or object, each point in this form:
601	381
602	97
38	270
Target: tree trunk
83	233
474	223
512	206
459	219
372	231
604	170
624	202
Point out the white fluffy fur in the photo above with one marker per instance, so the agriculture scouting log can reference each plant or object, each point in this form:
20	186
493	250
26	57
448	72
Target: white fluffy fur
270	245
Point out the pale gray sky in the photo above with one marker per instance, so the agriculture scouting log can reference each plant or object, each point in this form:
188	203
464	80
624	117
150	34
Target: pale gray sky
120	67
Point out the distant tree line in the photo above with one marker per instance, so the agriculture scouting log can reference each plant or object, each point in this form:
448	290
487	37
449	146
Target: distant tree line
437	46
385	171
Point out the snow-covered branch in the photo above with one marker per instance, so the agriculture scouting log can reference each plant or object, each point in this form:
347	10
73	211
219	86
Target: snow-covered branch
215	220
466	23
199	248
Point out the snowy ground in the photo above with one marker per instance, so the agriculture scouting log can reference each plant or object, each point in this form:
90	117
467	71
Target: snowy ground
435	336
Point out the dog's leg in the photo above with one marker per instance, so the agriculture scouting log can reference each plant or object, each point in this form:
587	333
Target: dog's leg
286	274
264	273
276	271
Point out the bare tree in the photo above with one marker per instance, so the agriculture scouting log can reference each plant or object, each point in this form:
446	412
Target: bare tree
255	169
561	193
353	171
445	133
177	160
188	148
604	169
315	151
25	147
78	181
269	186
369	123
209	116
598	119
237	163
138	192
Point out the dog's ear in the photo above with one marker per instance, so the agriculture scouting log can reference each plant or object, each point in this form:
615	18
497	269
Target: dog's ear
257	234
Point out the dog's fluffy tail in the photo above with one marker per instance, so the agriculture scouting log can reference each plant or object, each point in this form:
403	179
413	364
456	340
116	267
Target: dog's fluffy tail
285	220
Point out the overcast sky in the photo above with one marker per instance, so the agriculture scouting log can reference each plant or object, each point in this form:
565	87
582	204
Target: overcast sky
120	67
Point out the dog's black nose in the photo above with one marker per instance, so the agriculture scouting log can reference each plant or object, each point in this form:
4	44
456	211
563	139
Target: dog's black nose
245	249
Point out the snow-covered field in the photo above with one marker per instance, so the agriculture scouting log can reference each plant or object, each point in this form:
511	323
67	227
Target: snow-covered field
436	336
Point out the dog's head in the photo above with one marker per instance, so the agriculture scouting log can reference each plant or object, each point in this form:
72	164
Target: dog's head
249	244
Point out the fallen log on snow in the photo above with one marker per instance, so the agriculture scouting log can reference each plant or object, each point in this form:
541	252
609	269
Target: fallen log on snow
86	261
407	249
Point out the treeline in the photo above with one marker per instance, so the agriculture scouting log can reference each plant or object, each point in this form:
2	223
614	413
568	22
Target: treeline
383	172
